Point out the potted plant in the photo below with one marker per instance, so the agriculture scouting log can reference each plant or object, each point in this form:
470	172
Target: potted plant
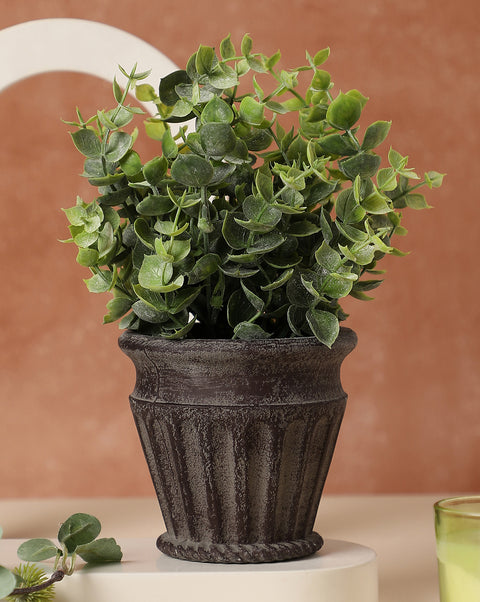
227	256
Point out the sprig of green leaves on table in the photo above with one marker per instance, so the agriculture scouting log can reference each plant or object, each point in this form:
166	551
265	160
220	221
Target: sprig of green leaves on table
77	537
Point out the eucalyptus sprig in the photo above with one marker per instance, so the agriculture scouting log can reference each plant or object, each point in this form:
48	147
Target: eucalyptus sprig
77	537
241	227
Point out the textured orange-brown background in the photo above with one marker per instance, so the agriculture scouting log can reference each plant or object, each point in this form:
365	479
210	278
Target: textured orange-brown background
413	418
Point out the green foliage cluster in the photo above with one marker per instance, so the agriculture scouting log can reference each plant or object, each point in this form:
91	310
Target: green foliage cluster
77	537
241	227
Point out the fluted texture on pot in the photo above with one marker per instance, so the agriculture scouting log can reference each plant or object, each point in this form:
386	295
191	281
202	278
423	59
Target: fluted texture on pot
238	436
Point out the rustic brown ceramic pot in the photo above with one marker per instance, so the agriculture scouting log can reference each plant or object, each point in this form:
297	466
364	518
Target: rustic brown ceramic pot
238	436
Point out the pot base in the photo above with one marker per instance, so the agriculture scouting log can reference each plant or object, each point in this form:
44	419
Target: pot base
238	553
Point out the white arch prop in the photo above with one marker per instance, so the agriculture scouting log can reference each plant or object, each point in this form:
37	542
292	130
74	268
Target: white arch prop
46	45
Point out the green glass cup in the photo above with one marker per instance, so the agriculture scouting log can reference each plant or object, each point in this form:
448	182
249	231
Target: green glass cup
457	530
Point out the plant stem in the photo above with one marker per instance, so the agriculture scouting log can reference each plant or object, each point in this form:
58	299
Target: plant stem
277	142
54	577
206	244
407	191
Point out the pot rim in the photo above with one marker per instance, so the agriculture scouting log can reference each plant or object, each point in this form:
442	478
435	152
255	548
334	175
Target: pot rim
346	337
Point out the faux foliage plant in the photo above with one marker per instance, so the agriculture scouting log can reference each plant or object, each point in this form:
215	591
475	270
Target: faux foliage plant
264	208
77	538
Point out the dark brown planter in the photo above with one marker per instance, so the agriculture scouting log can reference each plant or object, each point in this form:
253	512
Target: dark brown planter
238	436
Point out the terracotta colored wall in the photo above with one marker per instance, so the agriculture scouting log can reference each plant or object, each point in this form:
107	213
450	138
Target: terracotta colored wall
413	419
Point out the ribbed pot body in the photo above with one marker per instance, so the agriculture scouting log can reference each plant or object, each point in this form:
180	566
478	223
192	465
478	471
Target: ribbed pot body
238	437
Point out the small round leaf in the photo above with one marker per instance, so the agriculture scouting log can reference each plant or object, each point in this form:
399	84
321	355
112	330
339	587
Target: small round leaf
217	111
167	92
78	529
35	550
8	582
192	170
324	325
344	112
100	551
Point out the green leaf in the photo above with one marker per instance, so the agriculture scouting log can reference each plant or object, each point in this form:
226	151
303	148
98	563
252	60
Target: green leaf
387	179
258	140
169	228
118	146
87	142
347	207
155	128
167	92
8	582
247	331
100	283
239	309
104	119
273	60
352	233
227	49
396	160
296	290
256	63
155	170
155	273
328	258
324	326
217	111
87	257
376	203
235	235
205	60
107	180
416	201
363	165
144	232
303	228
433	179
124	116
254	300
169	146
155	300
238	271
339	284
375	134
155	205
280	281
149	314
145	92
78	529
117	197
259	211
178	249
321	56
218	139
76	215
223	77
203	268
358	96
266	243
320	80
192	170
180	333
337	144
100	551
246	46
251	111
183	299
344	111
35	550
117	307
131	164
